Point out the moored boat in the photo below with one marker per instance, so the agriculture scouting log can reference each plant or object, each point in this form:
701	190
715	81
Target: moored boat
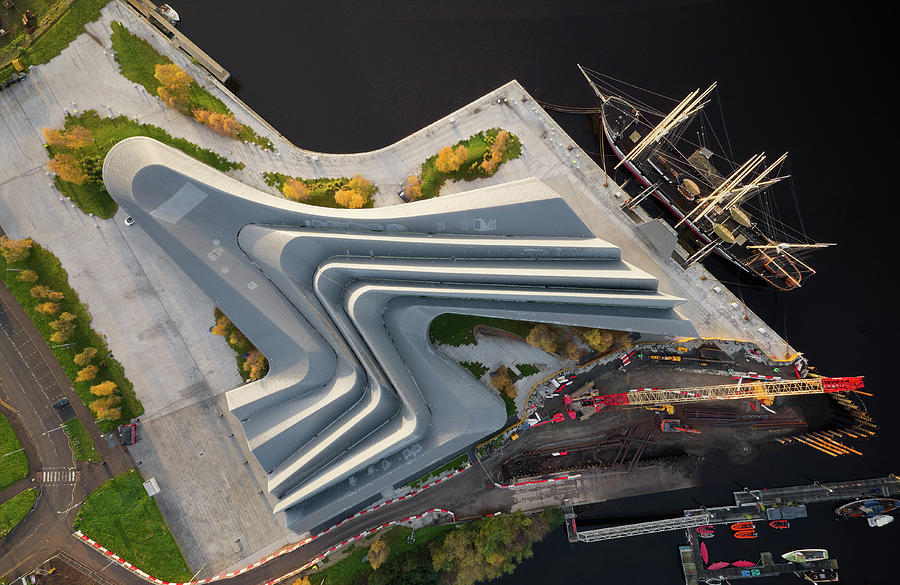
743	526
745	534
780	524
711	211
169	13
805	555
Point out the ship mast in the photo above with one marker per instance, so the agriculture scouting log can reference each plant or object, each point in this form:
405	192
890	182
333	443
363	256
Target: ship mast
758	183
728	186
603	97
686	108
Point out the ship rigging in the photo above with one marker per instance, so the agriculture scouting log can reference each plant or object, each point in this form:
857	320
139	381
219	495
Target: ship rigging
731	214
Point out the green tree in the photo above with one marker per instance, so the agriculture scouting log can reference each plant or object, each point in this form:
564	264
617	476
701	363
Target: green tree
412	568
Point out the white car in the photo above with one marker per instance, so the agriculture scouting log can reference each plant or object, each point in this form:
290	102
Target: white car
129	220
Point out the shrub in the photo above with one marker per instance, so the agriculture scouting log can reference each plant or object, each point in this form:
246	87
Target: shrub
15	250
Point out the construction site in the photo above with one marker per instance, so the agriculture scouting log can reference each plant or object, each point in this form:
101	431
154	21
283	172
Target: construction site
674	403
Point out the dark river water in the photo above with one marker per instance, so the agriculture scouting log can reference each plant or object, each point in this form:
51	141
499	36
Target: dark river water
810	78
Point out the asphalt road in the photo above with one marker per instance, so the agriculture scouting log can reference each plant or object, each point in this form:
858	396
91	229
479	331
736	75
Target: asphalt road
31	380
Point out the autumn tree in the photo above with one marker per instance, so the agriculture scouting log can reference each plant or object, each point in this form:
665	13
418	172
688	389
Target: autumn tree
573	352
47	308
503	381
543	337
28	276
302	581
15	250
494	157
63	327
413	187
105	408
106	388
74	137
361	185
40	291
221	326
599	340
378	552
55	295
173	77
236	338
449	159
175	86
87	373
255	364
85	357
349	198
224	124
295	190
67	168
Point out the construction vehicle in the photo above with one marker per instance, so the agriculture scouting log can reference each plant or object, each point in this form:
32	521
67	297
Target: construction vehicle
662	408
673	425
758	390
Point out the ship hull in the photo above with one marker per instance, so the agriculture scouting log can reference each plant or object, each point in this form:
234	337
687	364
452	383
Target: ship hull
778	271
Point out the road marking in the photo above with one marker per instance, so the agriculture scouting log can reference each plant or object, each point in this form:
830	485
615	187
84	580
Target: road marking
59	476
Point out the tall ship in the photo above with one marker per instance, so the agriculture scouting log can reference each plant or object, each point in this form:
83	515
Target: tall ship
714	205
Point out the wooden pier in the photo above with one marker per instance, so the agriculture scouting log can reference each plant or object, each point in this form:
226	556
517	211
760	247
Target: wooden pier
149	10
749	506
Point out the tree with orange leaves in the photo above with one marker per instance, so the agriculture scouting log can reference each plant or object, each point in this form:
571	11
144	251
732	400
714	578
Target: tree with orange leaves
412	188
295	190
255	364
174	79
224	124
450	159
67	168
105	408
349	198
74	137
15	250
103	388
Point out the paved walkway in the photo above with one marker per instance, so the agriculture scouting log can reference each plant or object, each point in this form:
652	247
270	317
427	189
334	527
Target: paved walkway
158	324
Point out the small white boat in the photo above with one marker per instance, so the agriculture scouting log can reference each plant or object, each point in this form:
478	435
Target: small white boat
169	13
805	555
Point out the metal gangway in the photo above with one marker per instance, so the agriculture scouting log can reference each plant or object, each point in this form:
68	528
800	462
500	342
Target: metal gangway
641	528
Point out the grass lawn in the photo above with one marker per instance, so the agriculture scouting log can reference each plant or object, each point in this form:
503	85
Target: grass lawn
453	329
321	191
52	274
477	145
91	196
81	441
478	369
526	370
13	462
137	61
456	463
123	518
50	43
14	510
